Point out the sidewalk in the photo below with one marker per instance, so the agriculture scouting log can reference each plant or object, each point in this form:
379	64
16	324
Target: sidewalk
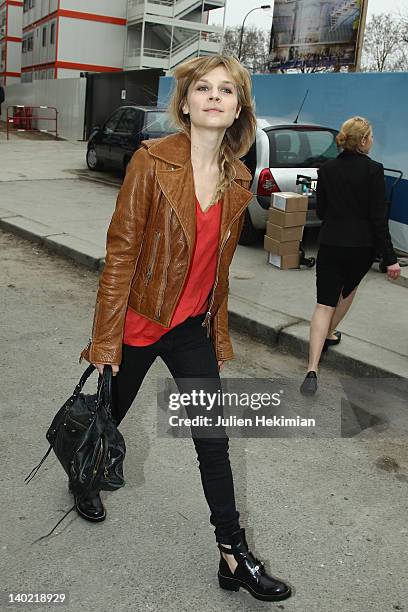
45	198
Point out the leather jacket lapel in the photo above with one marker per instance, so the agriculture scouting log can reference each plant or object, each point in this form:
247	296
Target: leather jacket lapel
235	201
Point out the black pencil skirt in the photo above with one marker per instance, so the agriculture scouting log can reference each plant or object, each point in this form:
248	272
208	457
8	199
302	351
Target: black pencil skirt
339	270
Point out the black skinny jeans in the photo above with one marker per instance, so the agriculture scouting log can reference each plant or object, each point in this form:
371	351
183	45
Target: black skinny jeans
188	353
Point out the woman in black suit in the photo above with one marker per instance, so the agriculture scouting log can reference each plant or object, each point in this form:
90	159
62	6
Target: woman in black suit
351	202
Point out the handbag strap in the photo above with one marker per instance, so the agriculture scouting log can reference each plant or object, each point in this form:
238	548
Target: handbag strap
83	379
104	392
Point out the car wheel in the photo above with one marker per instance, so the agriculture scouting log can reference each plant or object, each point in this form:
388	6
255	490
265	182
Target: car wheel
92	160
249	234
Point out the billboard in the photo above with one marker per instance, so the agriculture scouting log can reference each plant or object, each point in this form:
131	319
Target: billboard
316	33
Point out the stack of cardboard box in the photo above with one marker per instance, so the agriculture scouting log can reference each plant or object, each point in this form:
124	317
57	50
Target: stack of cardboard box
284	229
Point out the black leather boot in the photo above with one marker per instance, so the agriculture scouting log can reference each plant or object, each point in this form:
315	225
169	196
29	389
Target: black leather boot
250	572
90	507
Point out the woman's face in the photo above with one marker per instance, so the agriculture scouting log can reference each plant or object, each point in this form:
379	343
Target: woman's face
215	90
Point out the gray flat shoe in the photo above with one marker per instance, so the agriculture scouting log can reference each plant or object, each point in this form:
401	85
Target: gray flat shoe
309	385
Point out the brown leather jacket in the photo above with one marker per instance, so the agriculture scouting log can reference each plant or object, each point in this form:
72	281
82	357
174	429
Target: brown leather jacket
150	242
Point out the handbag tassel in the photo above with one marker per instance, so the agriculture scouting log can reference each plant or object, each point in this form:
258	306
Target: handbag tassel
55	526
37	467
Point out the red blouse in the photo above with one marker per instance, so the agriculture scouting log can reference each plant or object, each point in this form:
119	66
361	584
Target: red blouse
193	300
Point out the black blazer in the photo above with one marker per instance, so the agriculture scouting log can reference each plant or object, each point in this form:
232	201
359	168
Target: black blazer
350	199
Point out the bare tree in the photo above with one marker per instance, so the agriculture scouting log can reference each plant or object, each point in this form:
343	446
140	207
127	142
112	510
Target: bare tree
383	43
254	49
402	60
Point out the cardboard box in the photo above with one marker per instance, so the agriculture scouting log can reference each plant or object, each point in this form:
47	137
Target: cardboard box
281	248
286	219
289	201
284	262
284	234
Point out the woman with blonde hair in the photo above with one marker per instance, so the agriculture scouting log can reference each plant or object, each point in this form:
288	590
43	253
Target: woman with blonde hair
164	288
351	202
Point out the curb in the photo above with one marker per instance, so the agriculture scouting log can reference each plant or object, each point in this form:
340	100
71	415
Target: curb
291	335
403	279
80	251
354	356
271	327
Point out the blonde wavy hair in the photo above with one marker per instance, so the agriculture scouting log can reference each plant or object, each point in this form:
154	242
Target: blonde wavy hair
352	132
240	135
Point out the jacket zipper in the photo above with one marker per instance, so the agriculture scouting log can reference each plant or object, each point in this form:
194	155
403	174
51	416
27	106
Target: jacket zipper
207	320
164	279
182	284
153	257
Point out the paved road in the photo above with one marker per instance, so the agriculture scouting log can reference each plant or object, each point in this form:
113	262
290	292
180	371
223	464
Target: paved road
327	514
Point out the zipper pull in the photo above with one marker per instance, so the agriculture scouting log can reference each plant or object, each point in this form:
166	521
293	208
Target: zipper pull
148	275
207	322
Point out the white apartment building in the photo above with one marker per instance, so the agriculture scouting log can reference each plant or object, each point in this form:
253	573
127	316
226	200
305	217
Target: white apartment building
10	40
52	39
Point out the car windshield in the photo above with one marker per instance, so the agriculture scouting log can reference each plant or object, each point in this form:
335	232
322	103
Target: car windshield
158	122
301	147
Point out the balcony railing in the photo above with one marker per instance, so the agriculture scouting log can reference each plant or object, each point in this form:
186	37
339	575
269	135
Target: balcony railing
161	53
168	58
164	53
134	3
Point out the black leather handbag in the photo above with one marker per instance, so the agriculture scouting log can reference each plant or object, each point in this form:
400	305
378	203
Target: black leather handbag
86	441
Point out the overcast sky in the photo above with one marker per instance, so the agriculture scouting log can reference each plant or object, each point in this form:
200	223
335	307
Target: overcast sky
237	9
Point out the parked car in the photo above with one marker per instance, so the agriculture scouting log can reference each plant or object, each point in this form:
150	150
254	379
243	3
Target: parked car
113	144
280	152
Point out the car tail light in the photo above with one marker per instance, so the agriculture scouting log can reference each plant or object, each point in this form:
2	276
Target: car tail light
266	183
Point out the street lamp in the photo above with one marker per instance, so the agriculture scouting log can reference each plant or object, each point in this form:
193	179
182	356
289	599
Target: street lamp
264	7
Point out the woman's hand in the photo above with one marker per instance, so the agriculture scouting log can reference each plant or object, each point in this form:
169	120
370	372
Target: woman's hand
393	271
100	366
220	365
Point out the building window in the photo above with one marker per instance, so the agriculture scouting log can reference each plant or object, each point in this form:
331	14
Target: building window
29	44
44	36
25	7
31	4
52	33
24	45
